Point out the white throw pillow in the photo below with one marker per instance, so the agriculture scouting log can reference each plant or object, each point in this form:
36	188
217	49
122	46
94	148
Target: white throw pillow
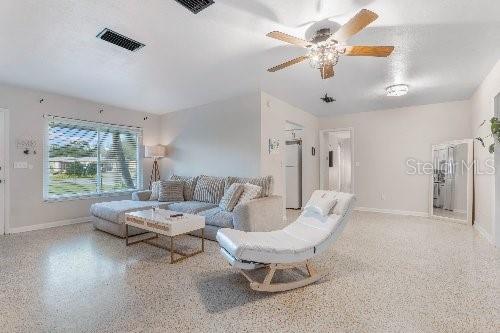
155	191
250	192
321	202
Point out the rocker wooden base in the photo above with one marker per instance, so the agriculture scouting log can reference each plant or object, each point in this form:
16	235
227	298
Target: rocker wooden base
268	286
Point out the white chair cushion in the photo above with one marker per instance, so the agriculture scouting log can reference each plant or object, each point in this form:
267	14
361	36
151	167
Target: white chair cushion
321	202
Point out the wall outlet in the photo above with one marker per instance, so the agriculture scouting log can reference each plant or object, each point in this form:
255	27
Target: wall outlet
20	165
383	197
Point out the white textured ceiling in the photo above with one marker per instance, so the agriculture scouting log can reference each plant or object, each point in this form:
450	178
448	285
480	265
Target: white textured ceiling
444	48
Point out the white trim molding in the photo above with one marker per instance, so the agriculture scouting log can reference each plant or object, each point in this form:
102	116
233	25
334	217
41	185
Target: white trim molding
392	211
470	182
480	230
50	225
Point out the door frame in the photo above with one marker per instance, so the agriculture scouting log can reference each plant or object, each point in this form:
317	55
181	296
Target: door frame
323	151
4	228
470	182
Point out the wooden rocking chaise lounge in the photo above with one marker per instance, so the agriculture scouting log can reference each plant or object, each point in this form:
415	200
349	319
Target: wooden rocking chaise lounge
316	229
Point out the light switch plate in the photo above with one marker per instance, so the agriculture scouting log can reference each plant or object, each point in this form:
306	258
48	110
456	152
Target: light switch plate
20	165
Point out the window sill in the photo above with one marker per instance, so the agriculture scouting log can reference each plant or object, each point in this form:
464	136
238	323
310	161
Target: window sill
89	197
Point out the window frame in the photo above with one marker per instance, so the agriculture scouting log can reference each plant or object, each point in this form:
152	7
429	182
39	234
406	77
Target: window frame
99	127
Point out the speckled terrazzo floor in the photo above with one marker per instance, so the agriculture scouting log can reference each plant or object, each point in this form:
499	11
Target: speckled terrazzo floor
388	273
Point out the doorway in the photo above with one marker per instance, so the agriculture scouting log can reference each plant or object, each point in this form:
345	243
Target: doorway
293	165
3	169
337	151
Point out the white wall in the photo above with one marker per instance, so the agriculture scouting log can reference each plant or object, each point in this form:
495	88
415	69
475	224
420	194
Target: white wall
231	138
384	140
27	207
483	106
217	139
274	117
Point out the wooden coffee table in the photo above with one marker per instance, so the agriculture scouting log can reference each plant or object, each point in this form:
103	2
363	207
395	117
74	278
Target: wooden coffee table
160	222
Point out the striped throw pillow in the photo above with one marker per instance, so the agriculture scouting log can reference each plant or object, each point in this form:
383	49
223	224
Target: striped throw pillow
250	192
231	197
171	191
264	182
189	185
209	189
155	191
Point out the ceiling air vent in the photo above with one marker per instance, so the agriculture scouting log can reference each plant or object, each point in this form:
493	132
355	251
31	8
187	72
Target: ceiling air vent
196	6
119	40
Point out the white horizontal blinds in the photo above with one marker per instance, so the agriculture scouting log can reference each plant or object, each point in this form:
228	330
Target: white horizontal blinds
87	158
118	160
72	159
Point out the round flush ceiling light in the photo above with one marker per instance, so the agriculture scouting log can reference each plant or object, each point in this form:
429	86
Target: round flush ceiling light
397	90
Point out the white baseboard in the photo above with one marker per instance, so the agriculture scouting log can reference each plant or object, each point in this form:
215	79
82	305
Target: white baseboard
49	225
392	212
484	234
460	211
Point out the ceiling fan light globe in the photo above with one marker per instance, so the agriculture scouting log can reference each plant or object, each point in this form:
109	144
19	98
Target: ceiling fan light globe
397	90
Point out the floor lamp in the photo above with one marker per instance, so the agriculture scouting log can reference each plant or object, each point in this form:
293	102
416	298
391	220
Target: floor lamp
155	152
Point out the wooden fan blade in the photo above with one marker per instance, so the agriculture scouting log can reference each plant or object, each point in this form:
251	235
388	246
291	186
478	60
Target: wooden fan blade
287	64
355	25
369	51
288	39
327	72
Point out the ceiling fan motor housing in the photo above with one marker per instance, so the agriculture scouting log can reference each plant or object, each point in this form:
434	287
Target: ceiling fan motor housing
321	36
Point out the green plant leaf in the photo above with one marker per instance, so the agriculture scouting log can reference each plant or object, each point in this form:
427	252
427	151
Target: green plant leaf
492	148
481	141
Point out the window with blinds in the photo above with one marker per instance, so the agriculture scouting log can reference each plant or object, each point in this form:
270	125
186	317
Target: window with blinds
90	159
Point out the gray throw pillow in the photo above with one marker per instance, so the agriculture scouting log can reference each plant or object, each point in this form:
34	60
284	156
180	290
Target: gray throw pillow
189	185
264	182
209	189
231	197
171	191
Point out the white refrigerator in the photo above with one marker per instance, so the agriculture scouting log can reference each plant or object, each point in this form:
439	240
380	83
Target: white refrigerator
293	174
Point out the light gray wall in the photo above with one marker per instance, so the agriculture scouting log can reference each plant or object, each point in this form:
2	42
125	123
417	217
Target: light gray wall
275	117
385	140
217	139
487	218
27	207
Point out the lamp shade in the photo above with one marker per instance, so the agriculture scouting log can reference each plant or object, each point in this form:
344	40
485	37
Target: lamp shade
158	151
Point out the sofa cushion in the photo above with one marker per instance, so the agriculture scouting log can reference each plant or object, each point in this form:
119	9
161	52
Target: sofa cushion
190	207
171	190
189	185
264	182
114	211
231	197
209	189
218	217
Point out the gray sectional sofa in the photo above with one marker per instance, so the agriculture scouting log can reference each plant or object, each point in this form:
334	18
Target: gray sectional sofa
262	214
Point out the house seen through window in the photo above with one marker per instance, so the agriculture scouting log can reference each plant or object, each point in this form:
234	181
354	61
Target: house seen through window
87	159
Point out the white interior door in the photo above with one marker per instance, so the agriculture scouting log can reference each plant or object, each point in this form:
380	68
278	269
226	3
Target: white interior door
2	172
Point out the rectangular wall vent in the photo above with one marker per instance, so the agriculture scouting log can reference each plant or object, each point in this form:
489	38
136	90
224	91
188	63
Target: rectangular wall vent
196	6
119	40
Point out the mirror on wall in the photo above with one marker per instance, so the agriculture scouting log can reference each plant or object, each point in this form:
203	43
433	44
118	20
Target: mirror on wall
451	188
